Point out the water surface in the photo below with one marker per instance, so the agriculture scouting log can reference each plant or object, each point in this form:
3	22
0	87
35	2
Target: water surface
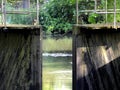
57	71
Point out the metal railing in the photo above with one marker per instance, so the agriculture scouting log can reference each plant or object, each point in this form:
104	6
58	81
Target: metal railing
96	10
7	15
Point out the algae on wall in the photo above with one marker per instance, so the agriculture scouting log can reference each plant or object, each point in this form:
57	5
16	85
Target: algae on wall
16	55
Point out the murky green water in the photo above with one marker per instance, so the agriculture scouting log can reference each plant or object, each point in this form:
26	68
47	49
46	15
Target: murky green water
57	73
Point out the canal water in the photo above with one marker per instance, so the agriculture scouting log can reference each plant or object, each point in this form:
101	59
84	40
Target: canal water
57	71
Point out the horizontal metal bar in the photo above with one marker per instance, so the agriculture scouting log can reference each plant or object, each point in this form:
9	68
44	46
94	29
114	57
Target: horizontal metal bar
18	12
100	10
106	12
97	11
86	10
113	9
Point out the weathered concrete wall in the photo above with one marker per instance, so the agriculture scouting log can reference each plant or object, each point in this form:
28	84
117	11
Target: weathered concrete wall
96	60
20	64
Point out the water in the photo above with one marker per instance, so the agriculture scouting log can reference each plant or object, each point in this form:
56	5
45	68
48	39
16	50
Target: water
57	71
57	54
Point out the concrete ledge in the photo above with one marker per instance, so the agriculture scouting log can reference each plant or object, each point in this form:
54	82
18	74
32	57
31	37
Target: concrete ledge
14	26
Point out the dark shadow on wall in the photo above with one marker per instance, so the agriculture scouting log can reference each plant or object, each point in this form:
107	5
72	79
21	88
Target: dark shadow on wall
106	77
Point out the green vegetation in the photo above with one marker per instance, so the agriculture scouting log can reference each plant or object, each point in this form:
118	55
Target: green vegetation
59	15
60	45
20	18
89	17
111	6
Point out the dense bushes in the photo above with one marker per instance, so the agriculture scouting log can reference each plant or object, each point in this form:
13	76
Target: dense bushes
57	15
111	6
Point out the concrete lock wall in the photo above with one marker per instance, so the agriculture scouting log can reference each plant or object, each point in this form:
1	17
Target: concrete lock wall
20	63
96	59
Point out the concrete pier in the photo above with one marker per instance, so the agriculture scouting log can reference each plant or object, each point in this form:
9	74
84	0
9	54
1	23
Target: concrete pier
20	58
96	58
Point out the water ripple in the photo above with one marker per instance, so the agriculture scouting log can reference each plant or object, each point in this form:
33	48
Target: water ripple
57	54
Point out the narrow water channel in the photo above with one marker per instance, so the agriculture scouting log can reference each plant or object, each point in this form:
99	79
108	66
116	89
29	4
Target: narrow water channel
57	64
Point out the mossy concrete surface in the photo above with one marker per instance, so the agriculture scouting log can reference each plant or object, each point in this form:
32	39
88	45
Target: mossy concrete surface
96	60
20	67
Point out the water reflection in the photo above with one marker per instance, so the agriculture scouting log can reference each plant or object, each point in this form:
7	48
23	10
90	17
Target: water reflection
57	54
57	72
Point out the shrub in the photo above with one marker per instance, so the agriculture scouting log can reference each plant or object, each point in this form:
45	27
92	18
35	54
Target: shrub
57	15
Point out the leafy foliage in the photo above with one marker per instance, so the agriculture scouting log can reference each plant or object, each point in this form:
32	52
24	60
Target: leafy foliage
92	18
57	15
20	19
89	17
95	18
111	6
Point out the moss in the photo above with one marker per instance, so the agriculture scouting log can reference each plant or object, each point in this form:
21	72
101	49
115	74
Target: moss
14	61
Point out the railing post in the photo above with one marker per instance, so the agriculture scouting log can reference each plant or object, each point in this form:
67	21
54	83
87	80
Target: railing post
38	12
77	12
114	13
95	7
106	11
4	12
